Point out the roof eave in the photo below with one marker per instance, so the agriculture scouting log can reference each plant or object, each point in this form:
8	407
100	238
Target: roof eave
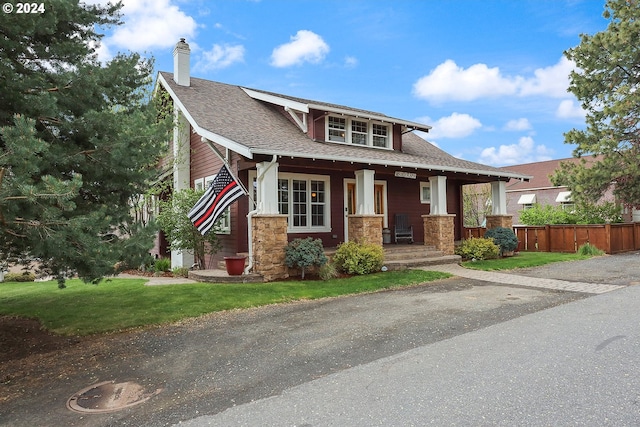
395	163
211	136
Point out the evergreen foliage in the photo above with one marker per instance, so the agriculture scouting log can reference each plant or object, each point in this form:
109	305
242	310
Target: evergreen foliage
606	83
504	237
305	253
78	140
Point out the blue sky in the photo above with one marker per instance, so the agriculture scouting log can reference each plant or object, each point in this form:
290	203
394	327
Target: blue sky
489	76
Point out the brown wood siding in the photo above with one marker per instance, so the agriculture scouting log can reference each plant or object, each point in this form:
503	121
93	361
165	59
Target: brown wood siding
397	137
403	197
454	206
316	125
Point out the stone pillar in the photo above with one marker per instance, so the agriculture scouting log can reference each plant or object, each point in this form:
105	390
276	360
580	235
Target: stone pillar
439	232
365	228
269	243
494	221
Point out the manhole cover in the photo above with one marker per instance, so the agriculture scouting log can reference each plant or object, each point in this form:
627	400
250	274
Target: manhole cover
109	396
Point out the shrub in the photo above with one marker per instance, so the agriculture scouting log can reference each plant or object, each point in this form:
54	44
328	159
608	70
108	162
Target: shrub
478	248
305	253
358	258
19	277
504	237
180	271
547	214
589	249
328	271
162	264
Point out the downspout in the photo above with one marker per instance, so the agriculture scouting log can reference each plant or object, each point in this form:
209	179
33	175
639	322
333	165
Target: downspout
250	215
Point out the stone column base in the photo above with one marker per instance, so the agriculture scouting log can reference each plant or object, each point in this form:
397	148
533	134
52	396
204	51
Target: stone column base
494	221
439	232
269	243
365	228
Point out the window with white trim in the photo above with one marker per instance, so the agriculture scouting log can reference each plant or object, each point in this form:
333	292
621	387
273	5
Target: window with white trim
305	199
358	132
425	192
224	222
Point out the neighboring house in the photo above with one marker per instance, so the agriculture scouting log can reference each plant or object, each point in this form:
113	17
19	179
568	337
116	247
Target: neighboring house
328	171
539	189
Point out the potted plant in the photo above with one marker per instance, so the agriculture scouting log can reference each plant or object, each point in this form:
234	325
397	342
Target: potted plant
235	265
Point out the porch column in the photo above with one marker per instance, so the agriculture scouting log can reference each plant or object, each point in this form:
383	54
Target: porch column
499	216
439	226
181	176
267	191
365	226
268	227
365	192
438	195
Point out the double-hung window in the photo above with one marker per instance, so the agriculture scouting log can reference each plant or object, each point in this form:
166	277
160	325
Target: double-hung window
358	132
305	200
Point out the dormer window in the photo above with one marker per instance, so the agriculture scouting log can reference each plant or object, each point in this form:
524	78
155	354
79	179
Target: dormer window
337	129
358	132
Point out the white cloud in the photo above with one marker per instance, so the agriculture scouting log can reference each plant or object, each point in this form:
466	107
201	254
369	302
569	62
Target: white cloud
148	24
305	46
525	151
449	82
568	109
220	56
350	62
551	81
454	126
518	125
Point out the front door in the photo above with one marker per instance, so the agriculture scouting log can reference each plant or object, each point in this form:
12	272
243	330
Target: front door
380	201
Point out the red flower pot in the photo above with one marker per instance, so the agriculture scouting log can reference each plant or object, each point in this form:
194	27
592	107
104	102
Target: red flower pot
235	265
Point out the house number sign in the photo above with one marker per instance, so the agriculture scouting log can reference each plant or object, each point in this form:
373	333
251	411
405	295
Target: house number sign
409	175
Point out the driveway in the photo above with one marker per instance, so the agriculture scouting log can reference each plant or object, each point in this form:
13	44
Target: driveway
207	365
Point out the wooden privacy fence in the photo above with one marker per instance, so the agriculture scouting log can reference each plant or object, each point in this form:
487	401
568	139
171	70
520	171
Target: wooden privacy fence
611	238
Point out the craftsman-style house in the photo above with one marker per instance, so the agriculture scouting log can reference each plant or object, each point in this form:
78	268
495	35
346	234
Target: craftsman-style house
315	169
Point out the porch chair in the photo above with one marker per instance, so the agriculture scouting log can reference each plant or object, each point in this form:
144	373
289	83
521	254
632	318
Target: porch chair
402	229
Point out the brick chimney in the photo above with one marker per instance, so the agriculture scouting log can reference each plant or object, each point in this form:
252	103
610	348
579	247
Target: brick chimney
181	67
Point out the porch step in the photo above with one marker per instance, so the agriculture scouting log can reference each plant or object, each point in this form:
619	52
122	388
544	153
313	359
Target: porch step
403	256
221	276
400	257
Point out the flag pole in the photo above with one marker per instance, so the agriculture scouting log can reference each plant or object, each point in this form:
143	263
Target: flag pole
226	163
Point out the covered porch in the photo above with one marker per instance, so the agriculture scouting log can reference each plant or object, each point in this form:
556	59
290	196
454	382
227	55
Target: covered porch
352	203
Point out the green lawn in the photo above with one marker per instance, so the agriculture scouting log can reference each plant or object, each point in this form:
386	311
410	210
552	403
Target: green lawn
523	260
118	304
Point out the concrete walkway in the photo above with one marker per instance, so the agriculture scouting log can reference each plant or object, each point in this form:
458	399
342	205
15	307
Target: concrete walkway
532	282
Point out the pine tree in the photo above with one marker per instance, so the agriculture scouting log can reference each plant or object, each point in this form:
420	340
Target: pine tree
607	83
78	141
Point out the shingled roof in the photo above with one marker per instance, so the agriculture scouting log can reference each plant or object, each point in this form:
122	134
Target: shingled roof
227	115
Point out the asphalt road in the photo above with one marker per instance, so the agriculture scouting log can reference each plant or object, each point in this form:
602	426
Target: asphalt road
459	347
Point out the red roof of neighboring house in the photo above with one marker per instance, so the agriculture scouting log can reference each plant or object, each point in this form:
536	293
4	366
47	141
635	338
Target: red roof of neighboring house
540	172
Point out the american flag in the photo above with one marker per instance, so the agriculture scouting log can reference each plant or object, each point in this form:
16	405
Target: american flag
223	191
